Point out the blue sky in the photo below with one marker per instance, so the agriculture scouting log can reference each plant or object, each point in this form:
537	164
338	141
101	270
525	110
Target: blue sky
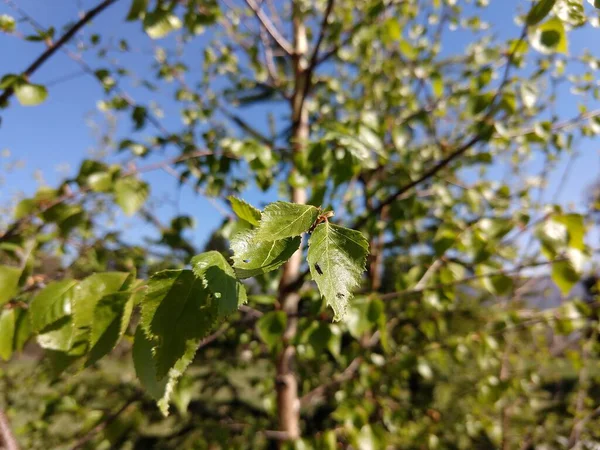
56	132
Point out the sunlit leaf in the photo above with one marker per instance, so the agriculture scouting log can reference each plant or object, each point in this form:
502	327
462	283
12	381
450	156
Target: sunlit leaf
252	257
245	211
281	220
9	281
550	37
131	194
30	94
337	257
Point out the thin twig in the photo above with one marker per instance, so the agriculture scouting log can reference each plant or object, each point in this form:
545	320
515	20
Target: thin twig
452	156
281	41
89	70
103	424
310	70
321	390
14	228
168	169
515	270
8	92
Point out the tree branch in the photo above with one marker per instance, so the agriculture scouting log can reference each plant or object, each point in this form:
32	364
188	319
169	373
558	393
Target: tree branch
458	152
281	41
308	73
8	92
315	54
348	373
515	270
14	228
103	424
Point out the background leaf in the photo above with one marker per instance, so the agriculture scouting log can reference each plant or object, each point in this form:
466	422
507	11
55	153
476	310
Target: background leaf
271	326
131	194
30	94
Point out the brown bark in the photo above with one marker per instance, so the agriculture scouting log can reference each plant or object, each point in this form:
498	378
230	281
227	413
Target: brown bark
288	403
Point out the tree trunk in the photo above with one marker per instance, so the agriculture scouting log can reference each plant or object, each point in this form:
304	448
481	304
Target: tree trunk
288	403
7	438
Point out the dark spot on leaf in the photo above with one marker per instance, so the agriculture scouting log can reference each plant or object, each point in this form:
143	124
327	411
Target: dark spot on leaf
246	261
318	269
339	295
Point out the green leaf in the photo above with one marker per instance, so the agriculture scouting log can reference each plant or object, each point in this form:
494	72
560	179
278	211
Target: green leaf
161	22
575	228
61	212
58	336
271	326
495	228
539	11
111	318
319	337
144	365
131	194
245	211
7	23
550	37
497	284
9	283
64	312
553	237
100	181
7	332
219	278
391	31
59	361
138	116
9	80
594	3
565	275
137	9
336	258
25	208
281	220
51	304
30	94
443	240
252	257
364	315
23	329
88	293
177	310
159	389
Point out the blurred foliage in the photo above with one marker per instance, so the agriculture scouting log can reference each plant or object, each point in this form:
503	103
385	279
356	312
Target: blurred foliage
417	144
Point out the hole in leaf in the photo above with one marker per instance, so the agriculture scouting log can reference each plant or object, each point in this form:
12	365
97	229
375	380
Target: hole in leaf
246	261
339	295
318	269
